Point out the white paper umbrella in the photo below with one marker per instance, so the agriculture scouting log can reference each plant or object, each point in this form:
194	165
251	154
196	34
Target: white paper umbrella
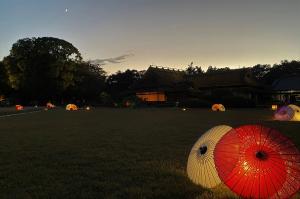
201	166
296	110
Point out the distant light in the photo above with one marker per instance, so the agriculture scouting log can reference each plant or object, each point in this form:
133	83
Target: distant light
88	108
19	107
274	107
184	109
66	10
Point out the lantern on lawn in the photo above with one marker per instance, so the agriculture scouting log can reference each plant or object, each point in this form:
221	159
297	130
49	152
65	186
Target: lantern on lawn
274	107
19	107
296	109
71	107
284	113
218	107
49	105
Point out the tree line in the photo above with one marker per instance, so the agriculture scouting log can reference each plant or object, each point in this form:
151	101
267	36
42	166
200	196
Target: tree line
44	69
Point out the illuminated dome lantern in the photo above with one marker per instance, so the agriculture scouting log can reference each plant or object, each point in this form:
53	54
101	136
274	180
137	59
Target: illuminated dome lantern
127	104
258	162
296	109
49	105
71	107
19	107
274	107
218	107
200	167
285	113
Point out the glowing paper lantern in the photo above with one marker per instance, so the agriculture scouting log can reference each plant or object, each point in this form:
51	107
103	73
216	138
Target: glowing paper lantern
200	167
285	113
49	105
19	107
258	162
274	107
296	109
218	107
127	104
71	107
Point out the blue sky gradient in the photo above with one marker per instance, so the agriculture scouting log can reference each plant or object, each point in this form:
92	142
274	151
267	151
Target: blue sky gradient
163	32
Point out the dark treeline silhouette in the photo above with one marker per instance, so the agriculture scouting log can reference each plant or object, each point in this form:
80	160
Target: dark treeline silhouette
44	69
41	69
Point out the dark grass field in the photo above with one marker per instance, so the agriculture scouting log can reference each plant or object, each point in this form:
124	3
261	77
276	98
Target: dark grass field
5	111
112	153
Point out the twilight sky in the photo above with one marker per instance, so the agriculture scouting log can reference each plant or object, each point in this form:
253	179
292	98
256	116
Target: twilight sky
136	33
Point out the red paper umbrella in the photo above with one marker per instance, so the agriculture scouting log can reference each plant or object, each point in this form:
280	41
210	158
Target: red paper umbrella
258	162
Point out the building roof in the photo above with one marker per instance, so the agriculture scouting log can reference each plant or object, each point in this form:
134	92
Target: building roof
164	78
287	83
159	77
231	78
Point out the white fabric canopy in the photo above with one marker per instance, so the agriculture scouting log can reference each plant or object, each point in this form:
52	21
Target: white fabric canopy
296	110
201	166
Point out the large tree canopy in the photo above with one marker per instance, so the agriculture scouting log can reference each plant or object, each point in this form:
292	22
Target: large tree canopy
260	71
283	69
4	88
121	82
90	81
39	68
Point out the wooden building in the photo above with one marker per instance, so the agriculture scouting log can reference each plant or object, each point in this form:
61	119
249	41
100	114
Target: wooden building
158	96
230	83
286	90
160	84
169	85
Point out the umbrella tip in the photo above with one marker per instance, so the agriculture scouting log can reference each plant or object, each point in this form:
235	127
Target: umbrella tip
261	155
203	150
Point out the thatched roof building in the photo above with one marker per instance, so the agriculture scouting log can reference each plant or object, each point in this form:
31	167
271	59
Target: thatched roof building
176	85
287	89
290	83
229	78
159	78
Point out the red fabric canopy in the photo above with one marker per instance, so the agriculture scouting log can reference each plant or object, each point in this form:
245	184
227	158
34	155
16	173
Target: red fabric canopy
258	162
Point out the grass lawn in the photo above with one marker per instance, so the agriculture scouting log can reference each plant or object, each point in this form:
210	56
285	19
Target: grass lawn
112	153
12	110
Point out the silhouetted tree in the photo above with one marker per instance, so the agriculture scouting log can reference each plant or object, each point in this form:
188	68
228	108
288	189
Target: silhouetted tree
121	81
40	68
212	69
89	81
260	71
282	69
193	70
4	88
